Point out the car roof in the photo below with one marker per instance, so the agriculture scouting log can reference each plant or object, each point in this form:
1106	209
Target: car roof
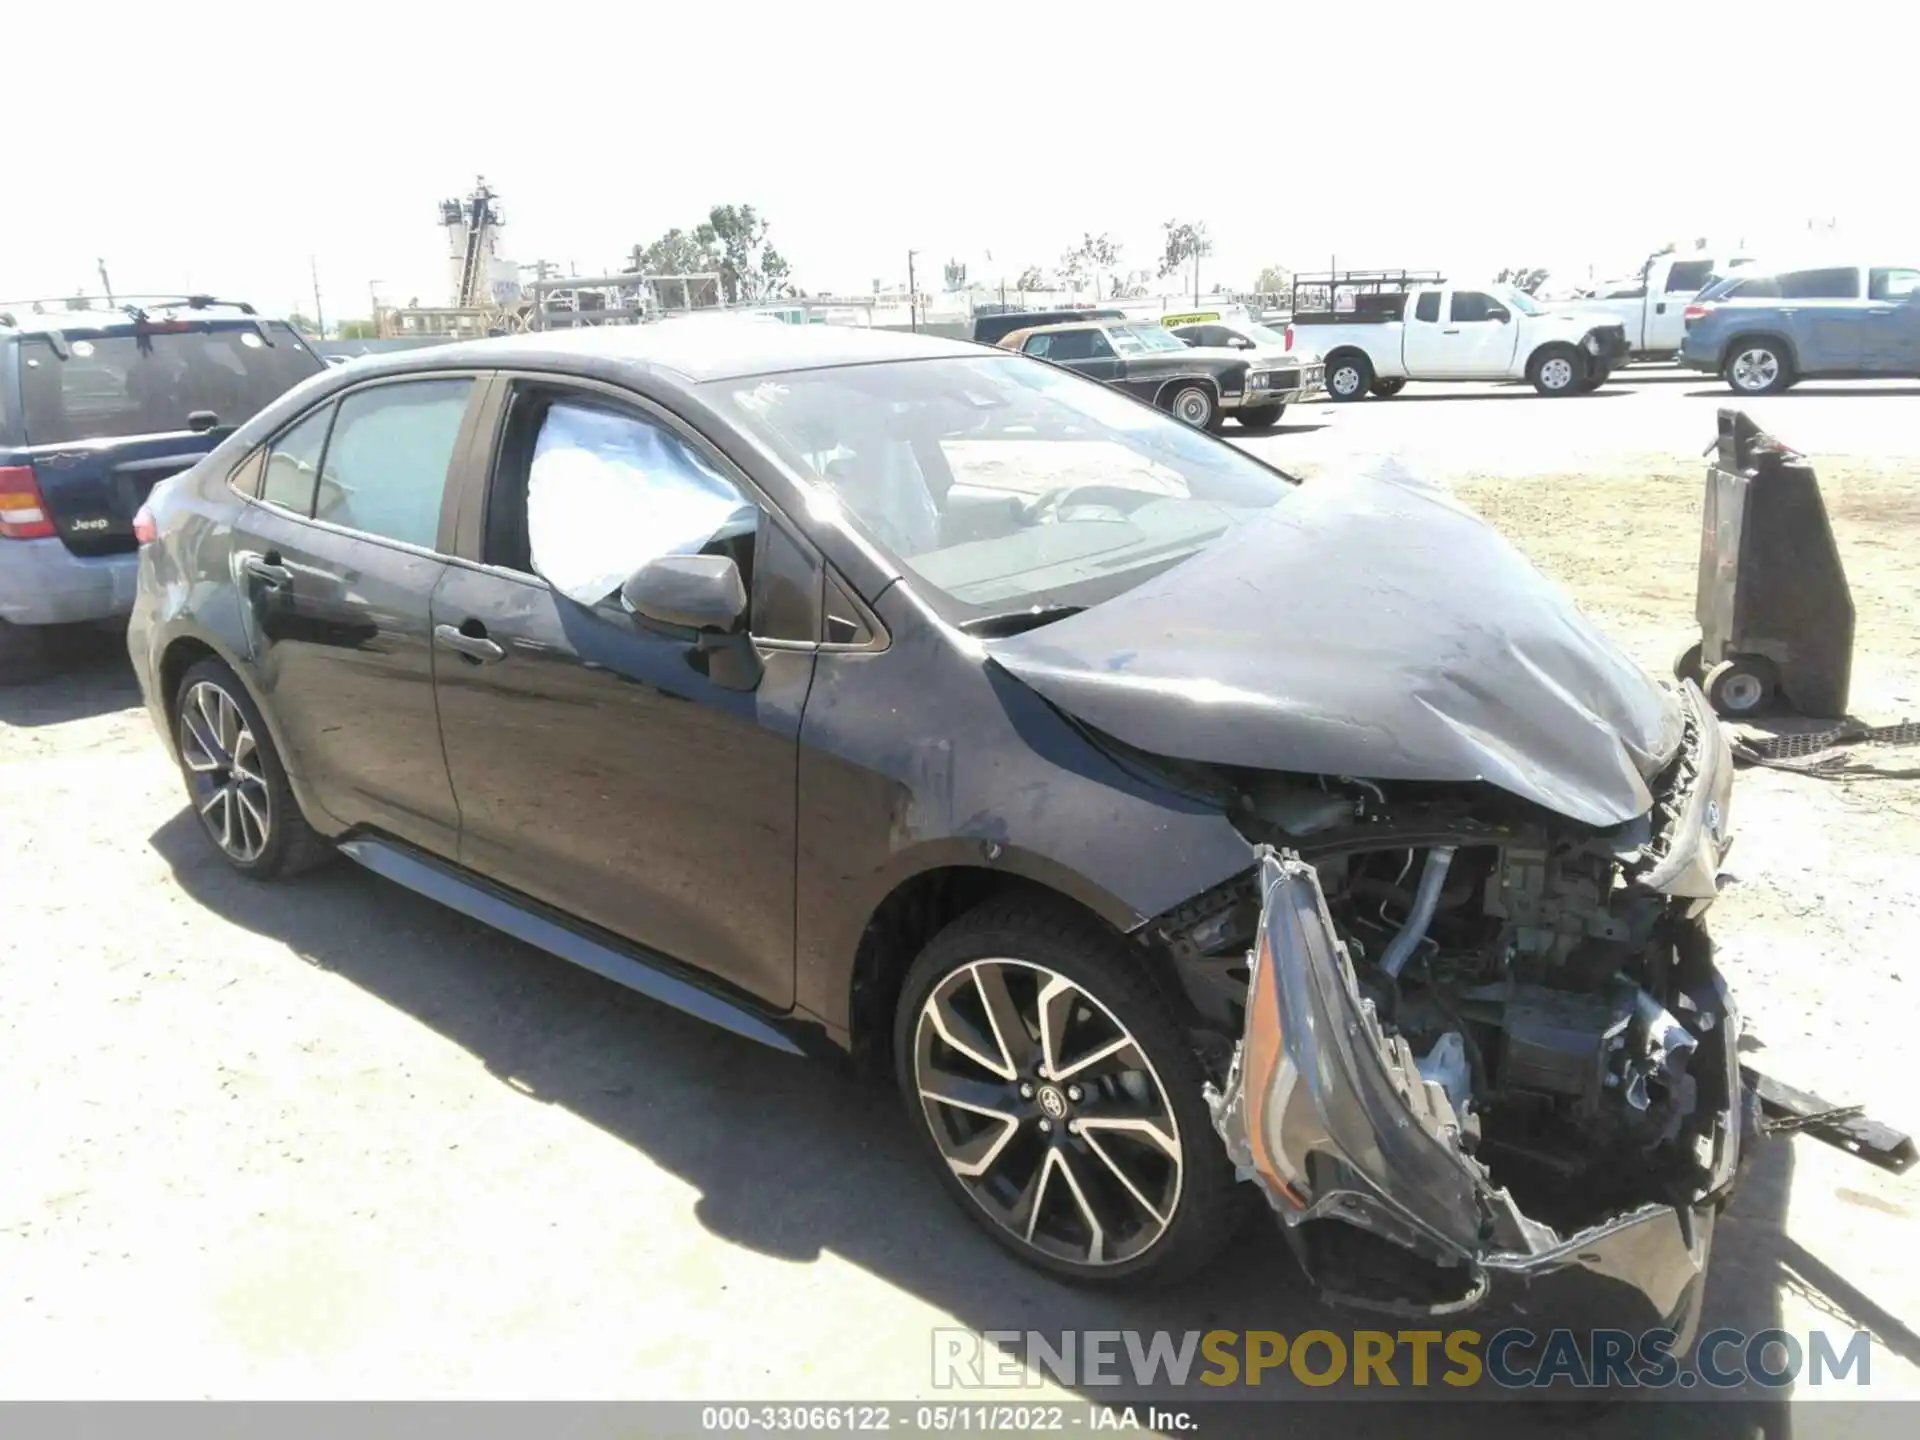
696	348
112	322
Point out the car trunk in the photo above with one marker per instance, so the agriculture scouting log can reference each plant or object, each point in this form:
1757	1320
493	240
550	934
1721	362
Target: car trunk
106	413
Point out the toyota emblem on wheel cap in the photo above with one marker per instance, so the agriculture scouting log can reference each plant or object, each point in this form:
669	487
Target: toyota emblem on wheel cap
1053	1102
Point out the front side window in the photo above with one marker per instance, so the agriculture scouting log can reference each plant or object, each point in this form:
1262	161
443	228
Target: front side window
1471	306
1835	284
293	464
1002	486
386	465
1893	283
1144	339
607	491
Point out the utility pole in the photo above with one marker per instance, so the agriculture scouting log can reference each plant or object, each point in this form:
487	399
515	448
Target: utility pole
913	294
373	303
106	285
1196	276
319	320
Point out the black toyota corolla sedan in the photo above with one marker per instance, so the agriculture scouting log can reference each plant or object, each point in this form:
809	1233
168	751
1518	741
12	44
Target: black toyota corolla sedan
1173	832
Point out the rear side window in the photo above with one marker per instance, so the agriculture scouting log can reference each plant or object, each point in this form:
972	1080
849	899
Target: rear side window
1687	276
1038	345
148	383
1760	287
1837	284
1072	345
293	464
1427	307
1892	284
386	465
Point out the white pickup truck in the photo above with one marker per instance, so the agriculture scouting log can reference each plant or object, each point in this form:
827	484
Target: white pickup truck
1375	336
1653	306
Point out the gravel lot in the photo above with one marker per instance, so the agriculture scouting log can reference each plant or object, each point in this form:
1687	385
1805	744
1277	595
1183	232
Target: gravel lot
328	1139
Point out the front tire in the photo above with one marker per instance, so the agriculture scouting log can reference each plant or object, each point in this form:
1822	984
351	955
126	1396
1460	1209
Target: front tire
1348	378
1757	367
235	780
1260	417
1741	687
1556	370
1060	1103
1196	405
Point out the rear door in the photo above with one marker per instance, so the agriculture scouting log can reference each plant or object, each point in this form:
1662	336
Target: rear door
1891	339
1666	324
337	559
104	414
621	775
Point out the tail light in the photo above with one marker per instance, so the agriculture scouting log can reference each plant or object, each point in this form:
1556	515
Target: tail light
1696	312
1289	337
145	532
23	510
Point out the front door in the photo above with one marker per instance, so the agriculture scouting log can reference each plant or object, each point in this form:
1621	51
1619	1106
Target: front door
607	769
1477	339
1826	317
1890	343
336	560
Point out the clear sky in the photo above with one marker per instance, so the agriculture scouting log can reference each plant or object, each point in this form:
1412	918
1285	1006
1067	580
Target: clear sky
218	146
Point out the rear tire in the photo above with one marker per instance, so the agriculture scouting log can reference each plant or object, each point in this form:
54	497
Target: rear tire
1556	370
1757	367
235	780
1348	378
1260	417
1386	389
1146	1202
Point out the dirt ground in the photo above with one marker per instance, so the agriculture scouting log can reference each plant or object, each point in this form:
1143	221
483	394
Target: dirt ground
328	1139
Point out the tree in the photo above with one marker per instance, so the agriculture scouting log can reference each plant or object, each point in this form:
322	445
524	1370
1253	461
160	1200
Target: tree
1524	278
1186	241
1133	285
956	276
358	330
304	324
731	241
1031	279
1274	280
1094	256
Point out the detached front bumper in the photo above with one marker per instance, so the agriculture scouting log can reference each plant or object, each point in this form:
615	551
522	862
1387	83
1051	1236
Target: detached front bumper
1362	1158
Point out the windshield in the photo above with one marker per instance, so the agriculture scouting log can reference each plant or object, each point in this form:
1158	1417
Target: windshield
1264	335
1003	485
87	387
1521	301
1138	339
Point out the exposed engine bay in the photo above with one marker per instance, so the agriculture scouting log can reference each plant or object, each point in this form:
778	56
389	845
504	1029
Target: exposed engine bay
1540	1005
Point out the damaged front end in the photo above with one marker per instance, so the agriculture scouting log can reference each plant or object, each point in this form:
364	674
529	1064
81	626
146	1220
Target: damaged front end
1489	1060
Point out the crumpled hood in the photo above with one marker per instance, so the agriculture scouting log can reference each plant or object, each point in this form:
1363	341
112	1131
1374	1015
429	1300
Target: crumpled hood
1367	625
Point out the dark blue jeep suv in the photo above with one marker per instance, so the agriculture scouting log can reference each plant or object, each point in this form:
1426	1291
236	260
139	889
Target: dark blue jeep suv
96	406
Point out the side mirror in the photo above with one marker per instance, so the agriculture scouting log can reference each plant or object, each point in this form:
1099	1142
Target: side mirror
1502	316
698	593
201	421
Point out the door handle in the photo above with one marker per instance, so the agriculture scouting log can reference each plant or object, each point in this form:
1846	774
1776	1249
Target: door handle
1881	311
477	648
1449	332
269	569
1661	308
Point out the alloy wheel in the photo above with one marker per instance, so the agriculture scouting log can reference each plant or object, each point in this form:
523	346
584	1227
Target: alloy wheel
229	790
1048	1112
1755	369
